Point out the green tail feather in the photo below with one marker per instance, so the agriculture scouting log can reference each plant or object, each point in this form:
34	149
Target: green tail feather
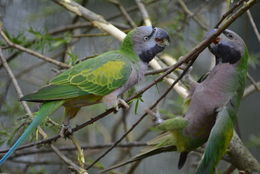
45	110
218	142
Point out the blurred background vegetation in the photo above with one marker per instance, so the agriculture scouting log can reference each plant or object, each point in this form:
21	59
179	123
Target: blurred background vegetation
51	30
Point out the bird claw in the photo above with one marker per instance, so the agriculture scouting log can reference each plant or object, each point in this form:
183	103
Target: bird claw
156	116
122	103
65	130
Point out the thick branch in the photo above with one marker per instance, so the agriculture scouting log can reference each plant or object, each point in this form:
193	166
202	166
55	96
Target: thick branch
240	157
92	17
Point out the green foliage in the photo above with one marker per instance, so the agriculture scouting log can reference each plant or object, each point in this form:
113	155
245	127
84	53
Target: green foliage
18	39
73	59
254	60
254	141
18	128
3	136
11	109
36	170
177	25
47	41
138	99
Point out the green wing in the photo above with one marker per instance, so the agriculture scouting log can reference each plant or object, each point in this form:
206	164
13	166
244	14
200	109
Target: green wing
98	76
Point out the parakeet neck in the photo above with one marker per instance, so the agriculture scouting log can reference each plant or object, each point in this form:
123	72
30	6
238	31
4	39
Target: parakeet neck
127	47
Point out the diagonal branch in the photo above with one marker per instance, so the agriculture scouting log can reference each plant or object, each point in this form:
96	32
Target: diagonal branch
31	52
143	116
189	56
29	112
253	25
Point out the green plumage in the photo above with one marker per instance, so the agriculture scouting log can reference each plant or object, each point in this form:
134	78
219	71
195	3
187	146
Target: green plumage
222	131
100	79
213	106
99	76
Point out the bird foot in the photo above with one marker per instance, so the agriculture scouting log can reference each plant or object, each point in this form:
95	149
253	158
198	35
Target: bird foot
65	130
122	103
156	116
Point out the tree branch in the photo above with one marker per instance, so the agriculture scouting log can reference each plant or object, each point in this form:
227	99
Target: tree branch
31	52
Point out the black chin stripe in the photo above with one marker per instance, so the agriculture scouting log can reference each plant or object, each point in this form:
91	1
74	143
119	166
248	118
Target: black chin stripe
226	54
148	55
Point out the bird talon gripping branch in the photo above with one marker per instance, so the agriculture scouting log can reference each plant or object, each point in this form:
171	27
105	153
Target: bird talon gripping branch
100	79
212	109
65	129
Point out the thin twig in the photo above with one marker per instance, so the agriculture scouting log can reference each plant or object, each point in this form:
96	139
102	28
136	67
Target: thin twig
84	147
252	80
124	12
29	112
250	89
31	52
32	163
71	164
17	87
192	15
144	13
144	115
253	24
141	118
189	56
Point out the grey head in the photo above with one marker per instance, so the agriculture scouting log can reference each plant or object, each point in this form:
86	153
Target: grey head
228	47
149	41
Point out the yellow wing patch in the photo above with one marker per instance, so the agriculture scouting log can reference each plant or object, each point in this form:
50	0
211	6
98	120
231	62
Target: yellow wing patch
103	75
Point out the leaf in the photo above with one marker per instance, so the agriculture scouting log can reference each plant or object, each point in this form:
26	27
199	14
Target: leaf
72	58
137	103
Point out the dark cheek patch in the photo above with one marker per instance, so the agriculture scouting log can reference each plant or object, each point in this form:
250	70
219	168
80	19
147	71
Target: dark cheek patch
148	55
227	54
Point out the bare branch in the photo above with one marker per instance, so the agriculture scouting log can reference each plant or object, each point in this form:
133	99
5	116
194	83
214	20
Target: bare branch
192	15
250	89
189	56
253	25
20	94
124	12
144	13
72	165
94	18
31	52
240	156
229	12
142	117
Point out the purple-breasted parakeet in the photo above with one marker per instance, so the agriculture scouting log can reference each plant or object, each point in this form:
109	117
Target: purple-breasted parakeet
100	79
213	105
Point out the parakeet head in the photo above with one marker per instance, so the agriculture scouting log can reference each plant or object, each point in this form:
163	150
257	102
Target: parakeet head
228	47
147	41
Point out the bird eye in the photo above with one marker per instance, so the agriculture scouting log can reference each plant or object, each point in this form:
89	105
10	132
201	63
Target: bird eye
145	38
229	35
154	29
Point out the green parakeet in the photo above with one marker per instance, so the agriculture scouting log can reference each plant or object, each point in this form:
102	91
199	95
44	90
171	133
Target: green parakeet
212	109
100	79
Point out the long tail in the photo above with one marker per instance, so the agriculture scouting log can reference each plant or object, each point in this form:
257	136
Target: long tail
218	142
45	110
